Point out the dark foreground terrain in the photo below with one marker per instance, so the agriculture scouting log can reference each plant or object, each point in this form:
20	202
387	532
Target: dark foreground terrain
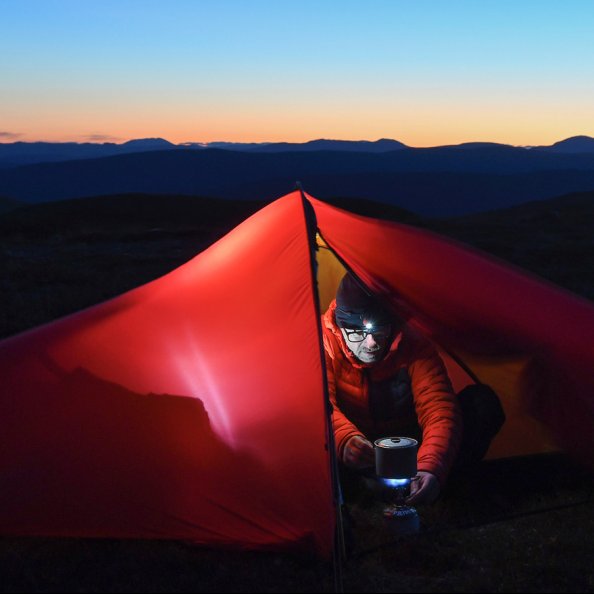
514	525
519	525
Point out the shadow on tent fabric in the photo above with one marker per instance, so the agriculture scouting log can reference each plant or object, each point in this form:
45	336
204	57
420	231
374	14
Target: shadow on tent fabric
109	460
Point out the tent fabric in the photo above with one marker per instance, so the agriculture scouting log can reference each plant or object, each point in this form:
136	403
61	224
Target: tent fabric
189	408
529	339
194	406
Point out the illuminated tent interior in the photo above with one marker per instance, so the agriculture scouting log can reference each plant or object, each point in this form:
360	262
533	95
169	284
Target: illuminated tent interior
193	407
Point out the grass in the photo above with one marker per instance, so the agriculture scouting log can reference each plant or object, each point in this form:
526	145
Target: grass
520	524
512	525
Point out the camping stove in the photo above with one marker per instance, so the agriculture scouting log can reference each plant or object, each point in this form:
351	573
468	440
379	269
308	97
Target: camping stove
395	466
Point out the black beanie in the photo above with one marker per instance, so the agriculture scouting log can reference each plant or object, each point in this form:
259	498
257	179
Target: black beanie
355	306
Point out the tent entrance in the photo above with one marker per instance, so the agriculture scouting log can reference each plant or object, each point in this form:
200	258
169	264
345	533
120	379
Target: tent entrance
521	434
330	272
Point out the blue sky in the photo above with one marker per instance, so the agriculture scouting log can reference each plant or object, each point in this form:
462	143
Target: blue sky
424	72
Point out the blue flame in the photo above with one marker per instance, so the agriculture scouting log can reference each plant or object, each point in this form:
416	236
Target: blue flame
394	482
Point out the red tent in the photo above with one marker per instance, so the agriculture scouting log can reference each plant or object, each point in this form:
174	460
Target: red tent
194	407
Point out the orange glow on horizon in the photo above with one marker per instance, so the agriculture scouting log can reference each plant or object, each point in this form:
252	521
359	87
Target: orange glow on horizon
416	125
417	122
418	140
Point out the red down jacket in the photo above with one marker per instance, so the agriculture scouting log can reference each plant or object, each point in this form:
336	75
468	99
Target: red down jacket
409	385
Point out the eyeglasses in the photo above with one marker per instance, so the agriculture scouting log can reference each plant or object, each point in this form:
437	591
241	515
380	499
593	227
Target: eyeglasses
359	335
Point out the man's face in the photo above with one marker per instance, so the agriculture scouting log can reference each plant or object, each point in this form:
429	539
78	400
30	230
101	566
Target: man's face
369	345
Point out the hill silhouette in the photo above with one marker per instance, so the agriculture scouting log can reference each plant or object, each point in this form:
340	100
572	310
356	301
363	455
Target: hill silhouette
156	214
358	146
24	153
575	144
13	154
121	214
432	182
550	237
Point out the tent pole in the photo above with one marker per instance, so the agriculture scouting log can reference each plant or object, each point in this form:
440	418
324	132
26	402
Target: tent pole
339	550
463	365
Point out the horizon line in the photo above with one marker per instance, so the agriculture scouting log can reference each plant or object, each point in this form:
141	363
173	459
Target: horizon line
205	144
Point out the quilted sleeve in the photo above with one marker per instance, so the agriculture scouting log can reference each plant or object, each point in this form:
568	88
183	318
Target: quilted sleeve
343	428
437	410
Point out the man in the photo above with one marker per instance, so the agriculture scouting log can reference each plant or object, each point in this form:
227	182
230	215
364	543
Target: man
386	379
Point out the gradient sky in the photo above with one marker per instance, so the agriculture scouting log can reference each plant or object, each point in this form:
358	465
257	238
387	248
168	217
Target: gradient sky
425	72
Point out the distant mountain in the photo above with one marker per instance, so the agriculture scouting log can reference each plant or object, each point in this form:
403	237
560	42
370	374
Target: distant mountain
575	144
428	194
146	144
360	146
26	153
23	153
434	182
430	182
478	145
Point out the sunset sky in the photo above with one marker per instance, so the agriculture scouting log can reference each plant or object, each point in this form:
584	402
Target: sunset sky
423	72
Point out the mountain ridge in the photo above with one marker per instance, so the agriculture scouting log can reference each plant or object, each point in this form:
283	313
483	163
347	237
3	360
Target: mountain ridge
23	153
431	182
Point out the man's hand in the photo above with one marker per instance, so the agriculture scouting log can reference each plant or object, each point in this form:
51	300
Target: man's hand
358	453
423	489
